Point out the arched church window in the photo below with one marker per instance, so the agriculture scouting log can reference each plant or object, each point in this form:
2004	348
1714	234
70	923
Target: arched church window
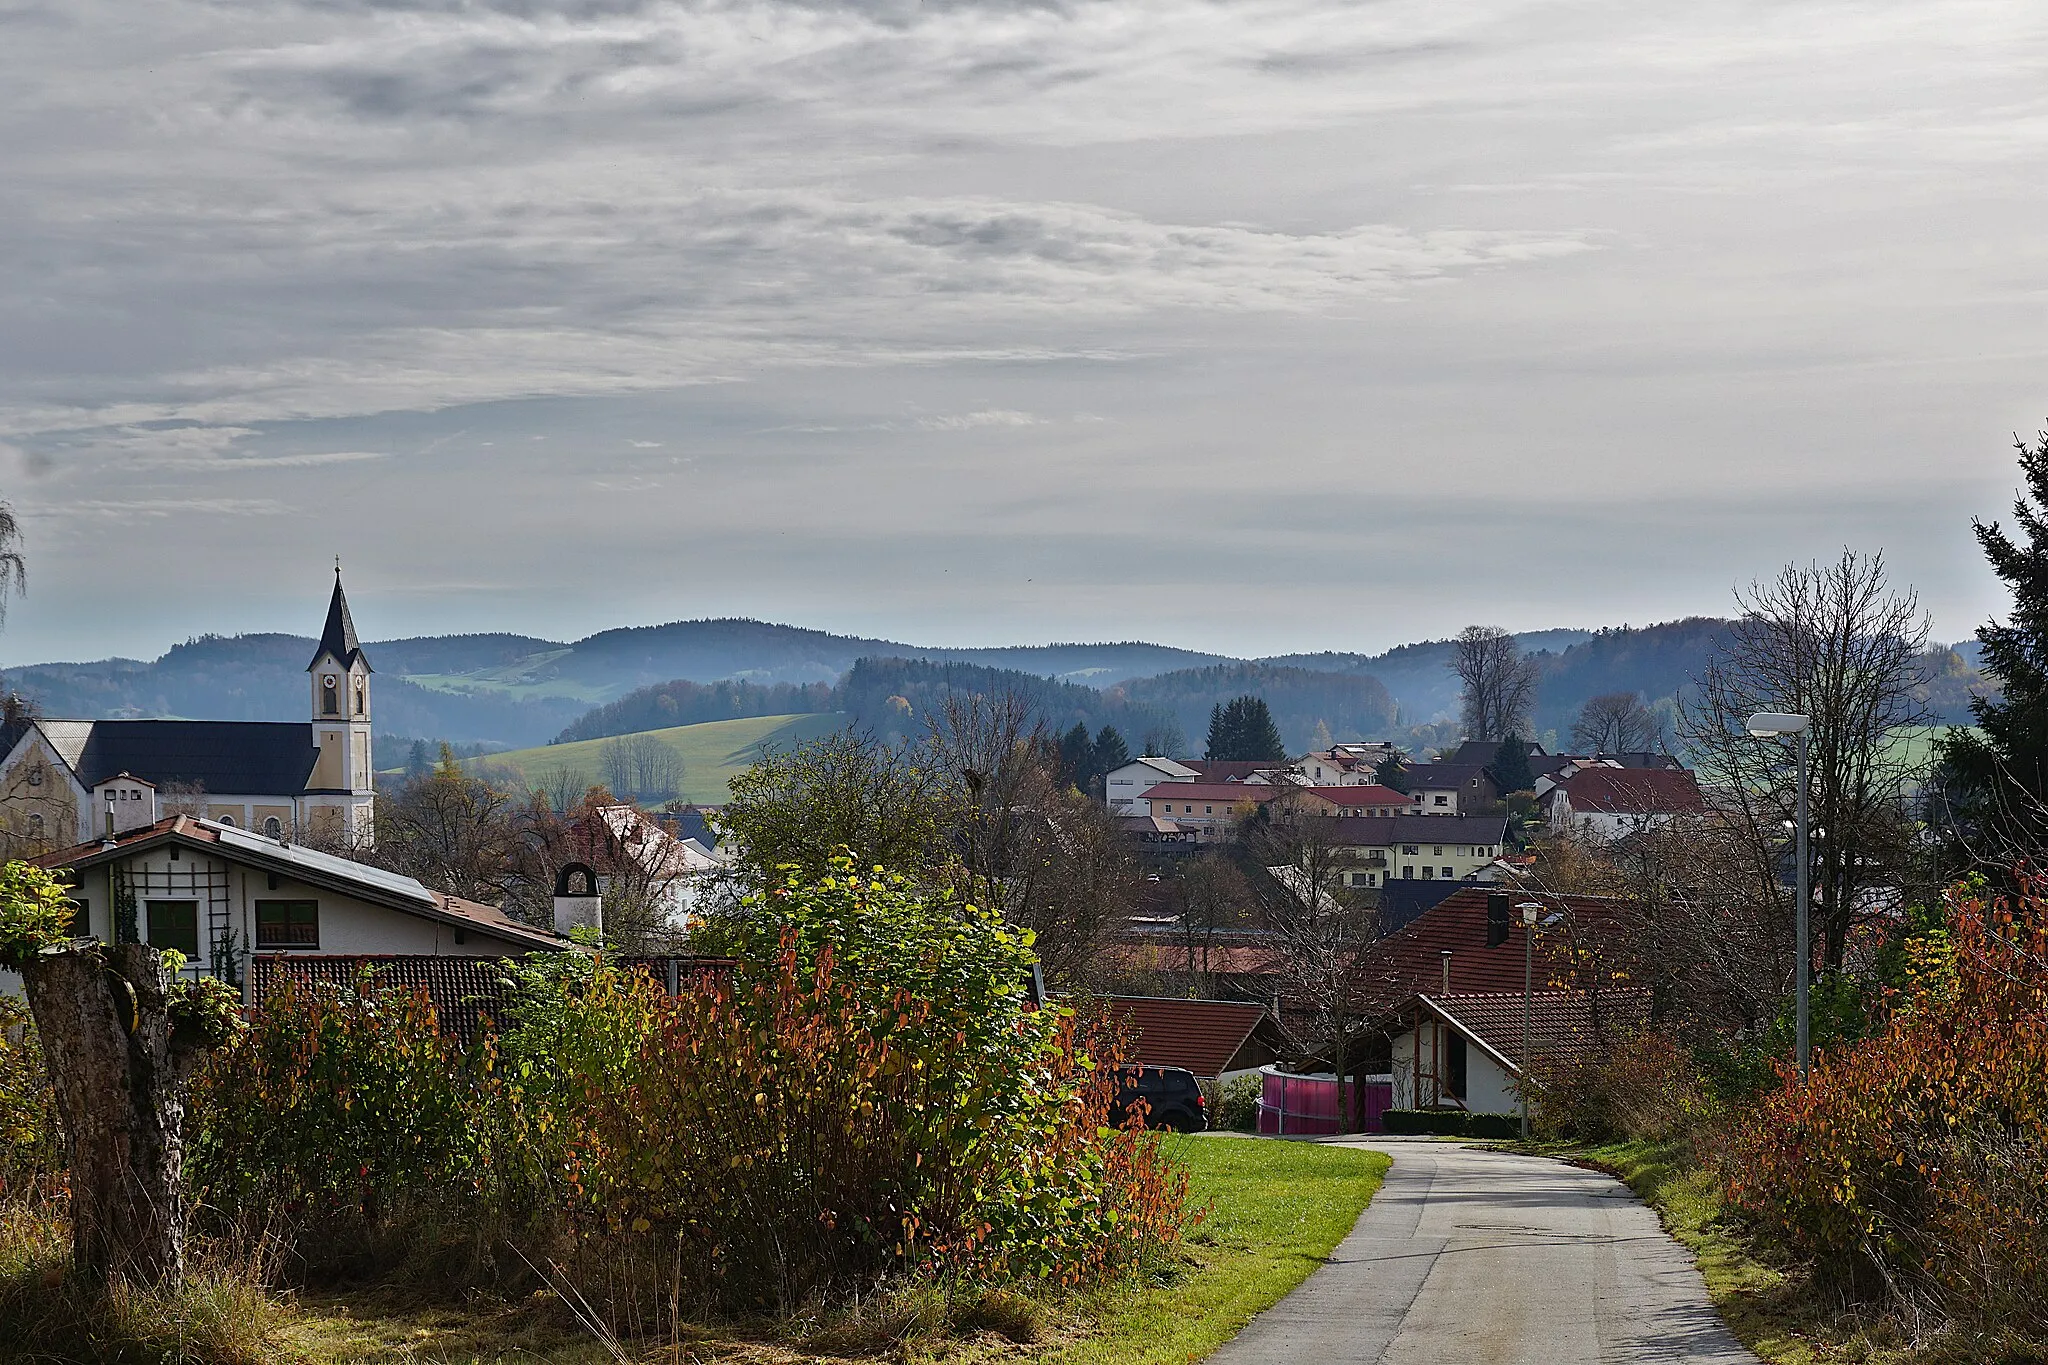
360	705
35	825
330	698
273	827
228	820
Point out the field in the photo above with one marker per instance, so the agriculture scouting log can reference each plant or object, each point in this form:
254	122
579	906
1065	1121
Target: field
711	752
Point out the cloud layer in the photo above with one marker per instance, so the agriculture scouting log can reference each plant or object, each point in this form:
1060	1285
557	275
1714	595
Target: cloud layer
1088	282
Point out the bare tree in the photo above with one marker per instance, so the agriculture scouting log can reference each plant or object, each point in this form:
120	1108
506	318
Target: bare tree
641	868
641	767
1499	683
1834	642
1321	929
798	807
1617	723
454	831
1043	856
1214	896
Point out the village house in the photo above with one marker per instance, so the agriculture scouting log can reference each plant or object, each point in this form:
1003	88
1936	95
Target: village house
1450	788
1124	788
1604	802
67	781
1346	765
225	896
1416	847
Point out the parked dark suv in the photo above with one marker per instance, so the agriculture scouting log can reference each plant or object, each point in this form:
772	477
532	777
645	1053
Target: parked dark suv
1172	1097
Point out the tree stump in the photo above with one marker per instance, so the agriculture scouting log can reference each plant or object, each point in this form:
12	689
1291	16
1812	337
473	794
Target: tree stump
119	1064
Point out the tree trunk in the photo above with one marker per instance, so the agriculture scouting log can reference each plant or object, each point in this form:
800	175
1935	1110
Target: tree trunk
119	1075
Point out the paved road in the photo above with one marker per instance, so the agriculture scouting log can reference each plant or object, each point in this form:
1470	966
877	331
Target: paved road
1471	1257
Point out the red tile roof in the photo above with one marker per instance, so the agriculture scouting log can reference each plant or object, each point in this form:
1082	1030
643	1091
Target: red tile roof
1410	961
1634	791
1201	1035
1229	792
1561	1023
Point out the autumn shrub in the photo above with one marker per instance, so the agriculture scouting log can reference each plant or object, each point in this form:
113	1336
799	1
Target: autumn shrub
344	1121
1913	1165
872	1097
31	1152
1639	1086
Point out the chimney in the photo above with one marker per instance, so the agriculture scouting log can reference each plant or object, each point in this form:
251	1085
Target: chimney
579	902
1447	971
1496	918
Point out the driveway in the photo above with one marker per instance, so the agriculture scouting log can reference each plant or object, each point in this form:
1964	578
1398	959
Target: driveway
1473	1257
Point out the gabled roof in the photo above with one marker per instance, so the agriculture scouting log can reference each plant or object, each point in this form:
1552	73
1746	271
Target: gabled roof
1200	1035
1410	960
1561	1023
338	638
226	757
1231	769
1228	792
1444	776
1634	791
1166	766
1482	752
360	880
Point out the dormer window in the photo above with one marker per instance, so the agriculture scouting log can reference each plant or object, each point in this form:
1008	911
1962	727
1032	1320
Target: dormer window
330	696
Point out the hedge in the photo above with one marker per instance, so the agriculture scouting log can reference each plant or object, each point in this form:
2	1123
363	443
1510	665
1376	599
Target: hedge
1451	1123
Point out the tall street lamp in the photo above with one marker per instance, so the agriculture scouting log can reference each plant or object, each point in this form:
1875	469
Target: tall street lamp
1529	909
1776	725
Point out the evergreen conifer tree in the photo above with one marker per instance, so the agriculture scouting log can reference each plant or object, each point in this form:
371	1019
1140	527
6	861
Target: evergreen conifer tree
1996	777
1075	751
1243	729
1110	753
1389	773
1510	768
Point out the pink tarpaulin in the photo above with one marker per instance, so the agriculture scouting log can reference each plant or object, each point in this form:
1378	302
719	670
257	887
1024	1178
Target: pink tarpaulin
1305	1106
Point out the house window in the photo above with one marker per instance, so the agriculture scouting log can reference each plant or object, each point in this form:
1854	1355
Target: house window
1448	874
287	924
1407	871
1442	800
1428	872
175	924
1439	850
1208	810
273	827
1408	849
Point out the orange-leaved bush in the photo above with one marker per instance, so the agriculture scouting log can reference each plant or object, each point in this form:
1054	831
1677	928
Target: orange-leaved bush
1914	1163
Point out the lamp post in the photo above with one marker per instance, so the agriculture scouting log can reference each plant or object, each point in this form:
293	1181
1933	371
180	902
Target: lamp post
1776	725
1529	909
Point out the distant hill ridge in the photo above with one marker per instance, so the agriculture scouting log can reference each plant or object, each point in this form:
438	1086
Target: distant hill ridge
519	690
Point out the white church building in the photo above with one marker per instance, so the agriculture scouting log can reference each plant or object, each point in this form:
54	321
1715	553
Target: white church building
65	782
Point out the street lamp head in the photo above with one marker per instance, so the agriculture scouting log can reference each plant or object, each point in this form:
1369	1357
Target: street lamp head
1776	724
1529	909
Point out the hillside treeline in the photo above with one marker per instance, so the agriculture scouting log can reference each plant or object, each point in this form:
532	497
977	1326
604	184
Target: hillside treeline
896	698
1309	706
683	702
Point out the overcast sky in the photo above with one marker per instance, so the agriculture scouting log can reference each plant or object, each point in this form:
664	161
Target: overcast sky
1252	326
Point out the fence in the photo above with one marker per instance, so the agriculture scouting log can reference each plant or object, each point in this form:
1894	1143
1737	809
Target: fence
1304	1106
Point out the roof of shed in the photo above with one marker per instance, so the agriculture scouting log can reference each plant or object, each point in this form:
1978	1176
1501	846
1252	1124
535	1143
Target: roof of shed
1200	1035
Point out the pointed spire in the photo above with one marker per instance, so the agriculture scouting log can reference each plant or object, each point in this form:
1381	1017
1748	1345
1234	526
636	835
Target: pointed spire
339	636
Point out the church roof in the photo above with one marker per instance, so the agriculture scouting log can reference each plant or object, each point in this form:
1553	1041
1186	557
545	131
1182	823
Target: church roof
226	757
339	636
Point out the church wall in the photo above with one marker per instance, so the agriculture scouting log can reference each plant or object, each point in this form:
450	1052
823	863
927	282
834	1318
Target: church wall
56	798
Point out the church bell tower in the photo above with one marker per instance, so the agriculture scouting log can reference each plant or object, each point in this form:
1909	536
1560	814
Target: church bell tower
340	675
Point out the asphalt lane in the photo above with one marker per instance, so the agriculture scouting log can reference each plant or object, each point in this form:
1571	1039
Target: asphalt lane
1474	1257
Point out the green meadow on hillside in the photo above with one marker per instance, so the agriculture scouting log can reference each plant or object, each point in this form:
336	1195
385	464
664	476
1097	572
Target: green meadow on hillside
711	752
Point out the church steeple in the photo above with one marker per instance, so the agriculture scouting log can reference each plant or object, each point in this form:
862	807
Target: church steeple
338	641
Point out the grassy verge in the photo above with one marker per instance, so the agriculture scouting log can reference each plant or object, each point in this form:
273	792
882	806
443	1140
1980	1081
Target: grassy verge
1772	1307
